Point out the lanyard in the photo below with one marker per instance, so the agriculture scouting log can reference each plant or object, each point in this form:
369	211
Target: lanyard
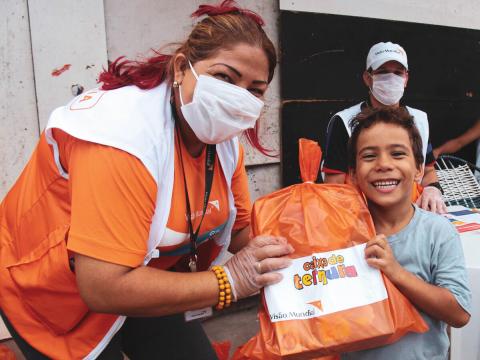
209	169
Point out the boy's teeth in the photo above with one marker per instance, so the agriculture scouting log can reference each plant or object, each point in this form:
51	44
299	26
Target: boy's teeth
385	183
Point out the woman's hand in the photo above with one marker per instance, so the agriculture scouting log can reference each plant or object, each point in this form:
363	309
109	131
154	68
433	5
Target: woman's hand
146	291
379	255
253	267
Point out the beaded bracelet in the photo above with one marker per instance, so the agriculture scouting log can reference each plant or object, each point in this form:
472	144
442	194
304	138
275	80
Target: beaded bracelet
224	288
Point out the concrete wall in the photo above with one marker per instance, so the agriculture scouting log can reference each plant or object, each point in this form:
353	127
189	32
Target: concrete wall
18	111
70	34
45	35
456	13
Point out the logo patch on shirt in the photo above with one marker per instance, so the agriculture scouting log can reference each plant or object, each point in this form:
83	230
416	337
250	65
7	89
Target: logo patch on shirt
87	100
198	213
215	204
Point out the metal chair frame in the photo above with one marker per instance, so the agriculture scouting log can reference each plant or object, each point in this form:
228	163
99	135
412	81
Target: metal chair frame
456	176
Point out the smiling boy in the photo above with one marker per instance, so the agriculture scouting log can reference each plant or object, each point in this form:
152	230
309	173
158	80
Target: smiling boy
386	76
419	251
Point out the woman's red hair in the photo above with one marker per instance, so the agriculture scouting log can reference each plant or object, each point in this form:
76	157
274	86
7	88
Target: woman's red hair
225	26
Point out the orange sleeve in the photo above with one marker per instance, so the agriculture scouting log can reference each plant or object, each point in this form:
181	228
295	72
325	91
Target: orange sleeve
112	202
241	193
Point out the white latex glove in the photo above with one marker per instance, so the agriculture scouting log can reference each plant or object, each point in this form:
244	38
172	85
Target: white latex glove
251	268
431	200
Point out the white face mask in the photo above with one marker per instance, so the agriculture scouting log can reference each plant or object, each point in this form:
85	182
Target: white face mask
219	111
388	88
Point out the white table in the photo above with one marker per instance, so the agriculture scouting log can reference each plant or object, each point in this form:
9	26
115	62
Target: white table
465	342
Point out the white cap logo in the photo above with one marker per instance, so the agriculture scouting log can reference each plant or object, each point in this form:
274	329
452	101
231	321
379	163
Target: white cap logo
383	52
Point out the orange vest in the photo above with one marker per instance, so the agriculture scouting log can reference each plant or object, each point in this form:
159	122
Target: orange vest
38	290
29	267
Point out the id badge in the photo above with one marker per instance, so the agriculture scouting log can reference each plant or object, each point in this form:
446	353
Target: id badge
198	314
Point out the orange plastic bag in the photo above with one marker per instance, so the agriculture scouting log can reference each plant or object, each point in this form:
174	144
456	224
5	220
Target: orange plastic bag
6	353
222	349
327	225
416	192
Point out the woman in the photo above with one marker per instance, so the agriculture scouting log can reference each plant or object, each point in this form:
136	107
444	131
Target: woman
147	170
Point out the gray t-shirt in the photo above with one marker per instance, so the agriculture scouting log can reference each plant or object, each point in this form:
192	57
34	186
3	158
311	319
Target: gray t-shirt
430	248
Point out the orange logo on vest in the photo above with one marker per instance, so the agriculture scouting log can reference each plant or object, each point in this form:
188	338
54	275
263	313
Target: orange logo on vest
87	100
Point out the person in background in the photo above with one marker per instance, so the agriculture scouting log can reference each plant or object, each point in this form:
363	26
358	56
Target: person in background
386	77
419	251
132	193
454	145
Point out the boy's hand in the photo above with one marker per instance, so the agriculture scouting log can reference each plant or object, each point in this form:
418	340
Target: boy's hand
379	255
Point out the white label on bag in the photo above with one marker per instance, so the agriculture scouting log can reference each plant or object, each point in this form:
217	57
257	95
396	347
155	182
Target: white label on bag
325	283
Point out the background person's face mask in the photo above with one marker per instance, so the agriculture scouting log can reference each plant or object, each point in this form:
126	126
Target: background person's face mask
388	88
219	111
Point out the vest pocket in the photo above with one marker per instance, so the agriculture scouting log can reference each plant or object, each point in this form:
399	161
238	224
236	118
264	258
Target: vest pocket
47	286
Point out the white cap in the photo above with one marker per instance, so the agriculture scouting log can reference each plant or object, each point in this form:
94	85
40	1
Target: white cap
383	52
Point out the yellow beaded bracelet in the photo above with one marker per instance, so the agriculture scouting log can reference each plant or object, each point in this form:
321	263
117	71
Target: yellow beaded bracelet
224	288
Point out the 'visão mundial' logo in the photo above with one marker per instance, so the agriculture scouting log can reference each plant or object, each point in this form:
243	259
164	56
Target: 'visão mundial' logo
292	315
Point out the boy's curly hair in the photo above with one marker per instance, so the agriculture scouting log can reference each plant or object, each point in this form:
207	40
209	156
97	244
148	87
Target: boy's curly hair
395	116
